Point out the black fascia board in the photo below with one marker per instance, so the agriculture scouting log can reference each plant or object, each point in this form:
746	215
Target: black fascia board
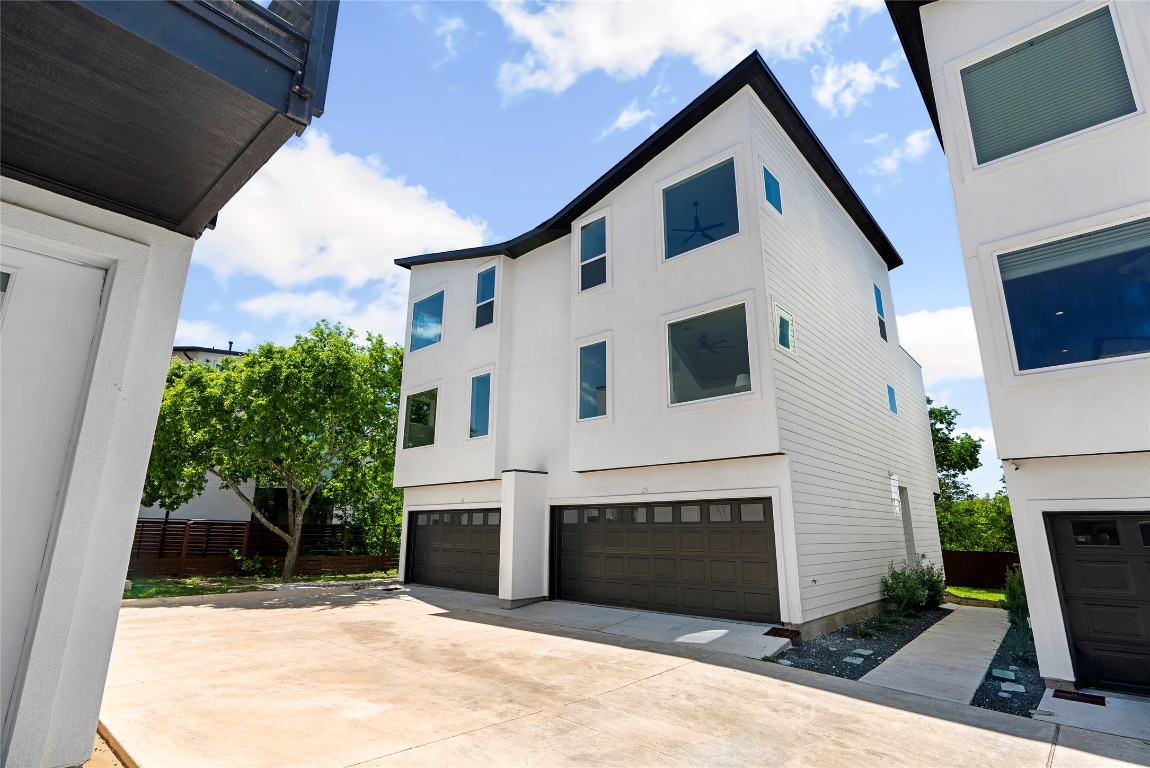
211	350
751	71
908	25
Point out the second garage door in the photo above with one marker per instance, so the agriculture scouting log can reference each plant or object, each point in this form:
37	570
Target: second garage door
456	549
707	558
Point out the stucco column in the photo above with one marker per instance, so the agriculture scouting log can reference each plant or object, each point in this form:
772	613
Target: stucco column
523	550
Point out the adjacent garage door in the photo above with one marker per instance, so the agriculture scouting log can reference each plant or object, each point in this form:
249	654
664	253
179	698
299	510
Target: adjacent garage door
1103	564
714	558
456	549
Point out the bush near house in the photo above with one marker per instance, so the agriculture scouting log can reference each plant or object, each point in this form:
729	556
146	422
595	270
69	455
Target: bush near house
906	591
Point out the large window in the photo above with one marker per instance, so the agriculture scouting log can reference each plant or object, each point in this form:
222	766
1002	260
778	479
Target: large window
701	209
593	254
1082	298
480	405
427	321
708	355
1057	84
419	424
593	380
485	298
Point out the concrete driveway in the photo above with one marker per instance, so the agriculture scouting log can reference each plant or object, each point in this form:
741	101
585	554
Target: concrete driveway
430	677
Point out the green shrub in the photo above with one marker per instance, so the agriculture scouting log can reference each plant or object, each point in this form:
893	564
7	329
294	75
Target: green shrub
902	590
248	566
933	581
1015	601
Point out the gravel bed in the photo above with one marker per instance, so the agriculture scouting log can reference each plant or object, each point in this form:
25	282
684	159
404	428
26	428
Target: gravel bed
1016	655
827	653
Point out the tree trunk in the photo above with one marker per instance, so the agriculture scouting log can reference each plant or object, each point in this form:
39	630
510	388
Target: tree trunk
292	553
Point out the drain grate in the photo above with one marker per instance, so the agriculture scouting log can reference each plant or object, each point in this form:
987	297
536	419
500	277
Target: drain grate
1084	698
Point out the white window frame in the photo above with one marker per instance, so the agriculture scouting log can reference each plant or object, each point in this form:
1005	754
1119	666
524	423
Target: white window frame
576	385
490	371
1133	57
780	310
747	299
576	247
1000	319
497	266
9	295
735	153
418	390
411	319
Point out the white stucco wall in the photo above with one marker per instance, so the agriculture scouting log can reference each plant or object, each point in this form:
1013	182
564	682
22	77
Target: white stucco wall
214	503
64	660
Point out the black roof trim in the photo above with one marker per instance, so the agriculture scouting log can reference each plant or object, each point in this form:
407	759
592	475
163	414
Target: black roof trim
752	71
211	350
908	25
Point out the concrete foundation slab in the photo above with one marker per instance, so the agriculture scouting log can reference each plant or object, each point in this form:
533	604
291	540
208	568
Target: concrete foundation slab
1121	716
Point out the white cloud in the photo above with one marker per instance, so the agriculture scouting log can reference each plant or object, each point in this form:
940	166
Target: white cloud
205	333
629	117
314	213
385	314
296	306
912	149
449	30
988	477
943	341
624	40
839	88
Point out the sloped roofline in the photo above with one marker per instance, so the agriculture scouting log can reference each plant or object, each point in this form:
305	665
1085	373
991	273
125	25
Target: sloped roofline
908	25
752	71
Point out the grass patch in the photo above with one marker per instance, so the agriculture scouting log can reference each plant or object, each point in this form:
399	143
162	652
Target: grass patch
977	593
214	585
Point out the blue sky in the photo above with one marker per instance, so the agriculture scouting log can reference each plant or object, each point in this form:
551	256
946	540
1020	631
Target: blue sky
455	124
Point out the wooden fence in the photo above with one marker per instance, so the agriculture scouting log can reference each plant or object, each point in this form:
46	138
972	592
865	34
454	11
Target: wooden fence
203	548
978	569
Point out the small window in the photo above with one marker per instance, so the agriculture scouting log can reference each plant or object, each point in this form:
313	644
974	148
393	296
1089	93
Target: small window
1144	529
891	399
421	520
477	518
435	518
612	515
663	515
719	513
1095	533
700	210
1056	84
881	313
448	518
784	329
690	513
591	515
419	426
427	321
485	297
570	517
593	254
1081	298
593	380
708	355
493	518
637	515
772	191
751	513
4	278
480	405
464	518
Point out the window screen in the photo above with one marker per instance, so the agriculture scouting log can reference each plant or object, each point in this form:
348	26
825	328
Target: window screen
1082	298
1059	83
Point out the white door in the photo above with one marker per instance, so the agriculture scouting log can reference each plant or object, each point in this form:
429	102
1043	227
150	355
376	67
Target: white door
49	309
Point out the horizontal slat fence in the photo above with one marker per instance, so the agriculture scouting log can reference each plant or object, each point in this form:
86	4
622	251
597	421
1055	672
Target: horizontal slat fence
978	569
203	548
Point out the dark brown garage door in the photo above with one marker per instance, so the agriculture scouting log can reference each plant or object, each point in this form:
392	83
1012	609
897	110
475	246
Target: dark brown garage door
457	549
1104	576
703	558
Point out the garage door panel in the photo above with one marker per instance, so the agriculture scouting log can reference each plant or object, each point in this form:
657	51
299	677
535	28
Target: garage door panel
694	598
725	602
663	541
638	593
692	570
690	541
592	565
724	570
456	549
613	565
756	543
721	541
663	569
614	540
639	541
592	538
759	603
639	567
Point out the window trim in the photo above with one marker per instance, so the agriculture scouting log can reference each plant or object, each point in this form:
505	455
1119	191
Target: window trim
747	299
480	269
1133	56
988	255
488	370
734	153
793	348
576	385
9	294
407	395
576	246
441	288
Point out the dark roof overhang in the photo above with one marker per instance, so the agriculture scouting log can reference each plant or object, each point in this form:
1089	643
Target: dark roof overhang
751	71
908	25
160	109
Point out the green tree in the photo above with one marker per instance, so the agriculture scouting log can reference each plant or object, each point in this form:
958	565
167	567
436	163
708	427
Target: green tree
954	454
316	418
977	524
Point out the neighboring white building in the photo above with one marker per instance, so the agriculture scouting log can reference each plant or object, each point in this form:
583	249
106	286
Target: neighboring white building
126	127
1041	108
684	392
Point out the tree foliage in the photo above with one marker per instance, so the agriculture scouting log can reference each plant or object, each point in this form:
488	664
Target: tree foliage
977	524
954	454
316	418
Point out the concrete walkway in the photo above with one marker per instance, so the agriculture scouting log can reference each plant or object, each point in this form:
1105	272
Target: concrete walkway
1120	715
949	660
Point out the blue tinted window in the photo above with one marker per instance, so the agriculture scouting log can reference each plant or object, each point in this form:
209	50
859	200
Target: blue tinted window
878	301
593	380
1082	298
890	399
774	194
700	210
485	298
427	321
480	405
593	239
708	355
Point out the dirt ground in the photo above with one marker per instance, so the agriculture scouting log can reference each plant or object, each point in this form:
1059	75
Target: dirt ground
103	756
